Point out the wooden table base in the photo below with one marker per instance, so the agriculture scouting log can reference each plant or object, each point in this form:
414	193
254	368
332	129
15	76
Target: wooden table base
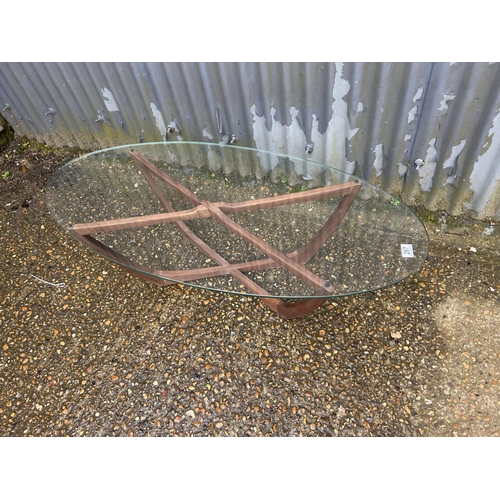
293	262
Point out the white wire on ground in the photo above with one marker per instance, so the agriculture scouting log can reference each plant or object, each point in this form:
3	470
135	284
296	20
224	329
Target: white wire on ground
58	285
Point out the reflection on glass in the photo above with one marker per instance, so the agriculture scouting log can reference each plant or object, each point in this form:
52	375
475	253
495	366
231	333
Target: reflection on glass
378	241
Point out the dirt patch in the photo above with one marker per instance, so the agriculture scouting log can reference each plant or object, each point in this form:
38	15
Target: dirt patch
25	167
6	133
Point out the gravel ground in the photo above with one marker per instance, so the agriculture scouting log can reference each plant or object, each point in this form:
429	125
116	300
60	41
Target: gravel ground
111	355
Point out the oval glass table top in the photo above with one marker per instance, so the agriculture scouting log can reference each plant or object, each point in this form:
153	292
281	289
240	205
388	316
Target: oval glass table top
237	220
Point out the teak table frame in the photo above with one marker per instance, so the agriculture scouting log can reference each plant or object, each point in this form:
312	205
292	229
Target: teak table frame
293	262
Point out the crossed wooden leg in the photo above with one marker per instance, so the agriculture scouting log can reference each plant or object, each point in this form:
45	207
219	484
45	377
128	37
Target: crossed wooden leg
293	262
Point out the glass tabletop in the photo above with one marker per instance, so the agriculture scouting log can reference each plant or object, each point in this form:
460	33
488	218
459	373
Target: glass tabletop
237	220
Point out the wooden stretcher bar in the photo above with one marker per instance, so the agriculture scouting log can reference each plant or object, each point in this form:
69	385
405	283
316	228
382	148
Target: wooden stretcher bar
201	211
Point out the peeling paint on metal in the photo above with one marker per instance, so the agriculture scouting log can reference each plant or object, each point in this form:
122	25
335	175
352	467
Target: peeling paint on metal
452	162
173	127
419	94
361	107
407	137
486	171
339	128
378	163
291	139
456	151
159	121
413	111
443	105
426	171
402	169
207	134
280	138
109	100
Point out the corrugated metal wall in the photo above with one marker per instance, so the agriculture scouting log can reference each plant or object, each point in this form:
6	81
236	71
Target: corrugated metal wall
371	119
